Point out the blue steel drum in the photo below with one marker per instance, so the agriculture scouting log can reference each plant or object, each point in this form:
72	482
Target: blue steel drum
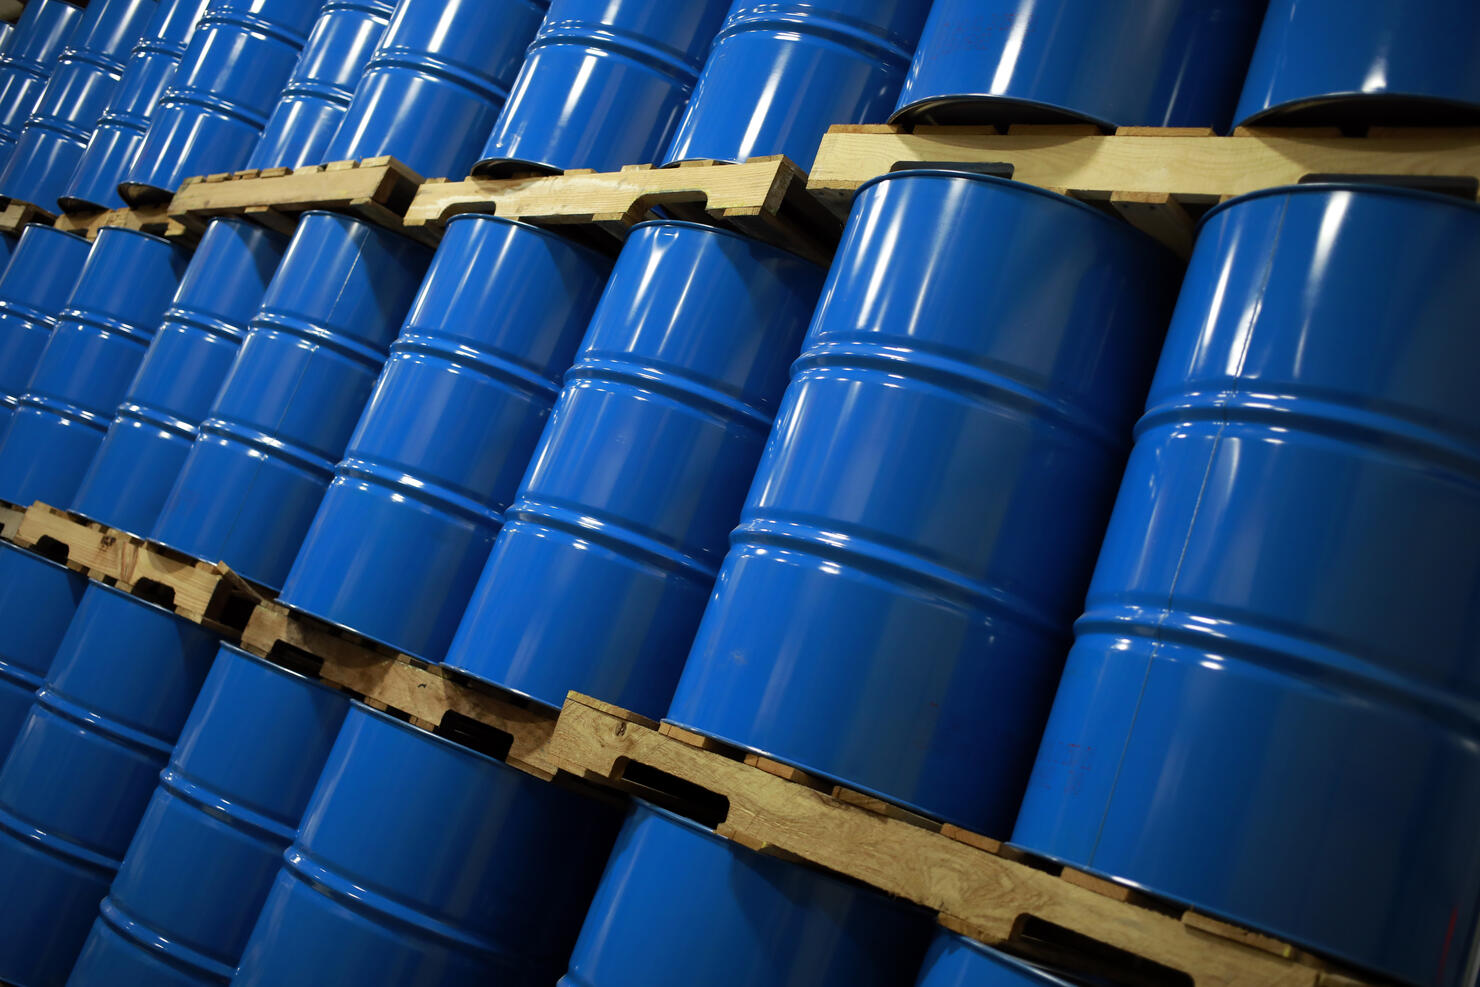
609	552
420	863
1177	63
121	129
780	74
82	770
257	470
435	85
211	117
955	961
37	600
35	286
899	594
7	29
680	906
1365	61
1278	653
7	250
26	65
407	524
603	86
85	369
52	142
141	456
212	839
318	92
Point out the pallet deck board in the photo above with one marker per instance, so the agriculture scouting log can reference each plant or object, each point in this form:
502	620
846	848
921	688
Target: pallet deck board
396	682
202	593
378	190
154	219
974	890
1149	174
765	197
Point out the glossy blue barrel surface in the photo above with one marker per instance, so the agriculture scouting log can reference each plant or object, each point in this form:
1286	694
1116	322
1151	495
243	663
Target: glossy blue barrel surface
603	86
192	352
1171	64
420	862
37	601
318	92
680	906
211	117
955	961
212	839
435	85
52	142
7	30
1365	61
7	249
40	35
33	290
82	770
257	470
121	129
610	550
899	594
780	74
99	340
407	524
1278	652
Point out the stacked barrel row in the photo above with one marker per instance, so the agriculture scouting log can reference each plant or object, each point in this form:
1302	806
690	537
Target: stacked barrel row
845	518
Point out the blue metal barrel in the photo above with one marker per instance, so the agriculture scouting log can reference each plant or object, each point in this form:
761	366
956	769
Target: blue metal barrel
258	468
407	524
1281	630
33	290
211	116
7	30
435	85
212	839
198	340
1365	61
120	131
37	600
603	86
419	861
7	249
955	961
780	74
82	770
900	591
610	550
40	34
52	142
85	369
318	92
1172	64
680	906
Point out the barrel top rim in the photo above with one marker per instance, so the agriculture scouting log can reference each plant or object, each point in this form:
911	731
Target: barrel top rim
237	651
359	706
525	224
1373	188
53	229
27	553
732	234
1011	184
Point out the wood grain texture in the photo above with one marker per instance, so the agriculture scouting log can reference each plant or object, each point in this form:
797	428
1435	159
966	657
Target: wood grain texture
974	890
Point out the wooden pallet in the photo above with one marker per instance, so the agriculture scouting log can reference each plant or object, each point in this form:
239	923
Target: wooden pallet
428	696
764	197
378	190
146	219
210	595
974	884
16	214
1159	178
